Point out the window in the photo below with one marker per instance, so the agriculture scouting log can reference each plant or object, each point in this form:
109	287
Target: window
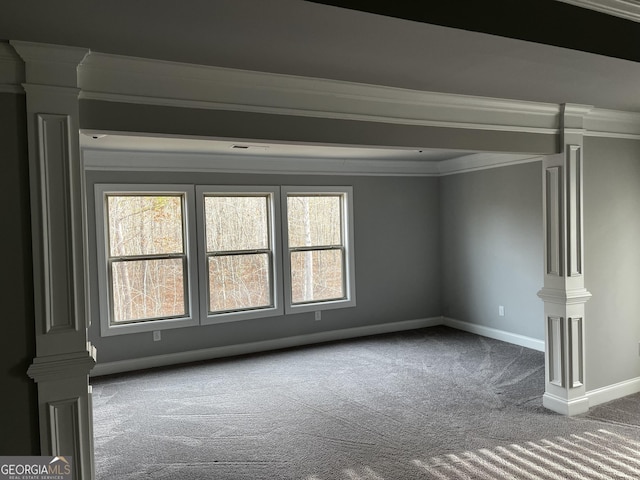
240	276
146	275
318	244
184	255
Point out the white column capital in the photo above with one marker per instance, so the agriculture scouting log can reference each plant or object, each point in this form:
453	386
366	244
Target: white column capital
11	70
572	123
48	64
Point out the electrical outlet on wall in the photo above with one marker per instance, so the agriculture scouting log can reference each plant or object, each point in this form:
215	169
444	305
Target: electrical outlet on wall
318	315
157	336
501	310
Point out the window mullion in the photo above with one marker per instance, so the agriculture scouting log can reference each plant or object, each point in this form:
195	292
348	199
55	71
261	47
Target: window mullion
316	248
223	253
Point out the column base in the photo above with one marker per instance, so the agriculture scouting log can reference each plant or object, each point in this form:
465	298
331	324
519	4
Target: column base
564	406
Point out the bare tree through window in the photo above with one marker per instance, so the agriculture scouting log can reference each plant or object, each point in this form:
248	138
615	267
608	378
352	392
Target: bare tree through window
316	247
146	256
238	252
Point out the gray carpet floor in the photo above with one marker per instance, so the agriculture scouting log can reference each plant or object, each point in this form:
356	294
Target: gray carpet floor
434	403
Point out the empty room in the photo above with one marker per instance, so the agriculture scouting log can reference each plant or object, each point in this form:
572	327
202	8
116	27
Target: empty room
317	240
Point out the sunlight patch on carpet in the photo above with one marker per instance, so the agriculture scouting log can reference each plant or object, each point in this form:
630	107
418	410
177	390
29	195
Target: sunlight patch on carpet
576	457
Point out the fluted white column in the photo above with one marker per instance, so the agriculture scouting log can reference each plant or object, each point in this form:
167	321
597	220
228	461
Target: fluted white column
64	356
564	293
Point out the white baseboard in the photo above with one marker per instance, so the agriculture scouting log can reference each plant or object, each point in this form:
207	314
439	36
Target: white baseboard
121	366
508	337
613	392
255	347
595	397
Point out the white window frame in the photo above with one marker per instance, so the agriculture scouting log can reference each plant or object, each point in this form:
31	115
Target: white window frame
195	250
102	241
275	248
347	237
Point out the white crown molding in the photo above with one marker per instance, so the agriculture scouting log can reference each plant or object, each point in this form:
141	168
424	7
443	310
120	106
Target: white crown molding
482	161
11	70
612	123
111	160
628	9
116	78
134	80
106	159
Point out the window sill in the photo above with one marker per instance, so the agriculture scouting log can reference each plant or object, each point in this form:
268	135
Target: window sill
148	326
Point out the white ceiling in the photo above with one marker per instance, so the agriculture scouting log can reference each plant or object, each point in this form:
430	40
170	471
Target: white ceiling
136	143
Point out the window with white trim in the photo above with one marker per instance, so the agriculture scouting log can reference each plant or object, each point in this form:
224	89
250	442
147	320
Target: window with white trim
240	275
147	247
185	255
318	248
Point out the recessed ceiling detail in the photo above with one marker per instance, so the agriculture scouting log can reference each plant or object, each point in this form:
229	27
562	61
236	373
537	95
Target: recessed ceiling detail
135	152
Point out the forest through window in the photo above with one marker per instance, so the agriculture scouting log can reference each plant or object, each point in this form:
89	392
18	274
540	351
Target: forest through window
166	260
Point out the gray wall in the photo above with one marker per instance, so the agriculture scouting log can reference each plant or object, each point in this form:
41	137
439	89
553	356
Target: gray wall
492	248
114	116
612	265
18	412
396	255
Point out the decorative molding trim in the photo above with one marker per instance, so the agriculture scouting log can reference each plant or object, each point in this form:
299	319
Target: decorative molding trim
573	221
563	293
601	122
57	244
107	159
63	419
628	9
262	346
11	70
47	64
565	407
561	297
482	161
59	367
108	77
553	220
13	89
614	391
502	335
64	356
576	351
555	351
202	162
115	78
